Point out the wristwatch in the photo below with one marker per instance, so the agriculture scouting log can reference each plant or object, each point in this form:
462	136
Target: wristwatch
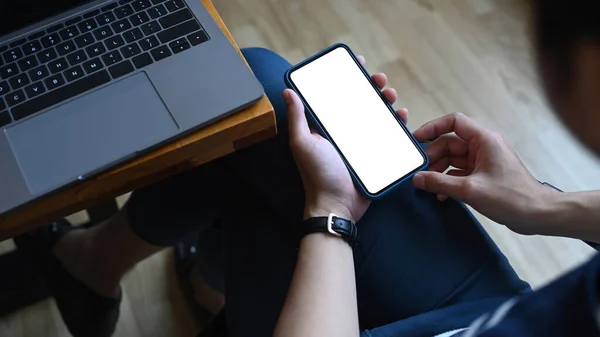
332	224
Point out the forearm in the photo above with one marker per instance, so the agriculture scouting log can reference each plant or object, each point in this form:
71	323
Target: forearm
574	215
322	296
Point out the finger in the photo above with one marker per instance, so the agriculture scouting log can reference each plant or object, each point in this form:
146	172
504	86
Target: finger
403	114
446	146
297	123
443	164
391	95
380	79
456	173
362	60
440	183
463	126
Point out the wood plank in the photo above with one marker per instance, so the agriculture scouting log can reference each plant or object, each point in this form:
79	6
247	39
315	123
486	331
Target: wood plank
240	130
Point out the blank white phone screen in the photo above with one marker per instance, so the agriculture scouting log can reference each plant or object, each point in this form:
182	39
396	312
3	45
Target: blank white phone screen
357	120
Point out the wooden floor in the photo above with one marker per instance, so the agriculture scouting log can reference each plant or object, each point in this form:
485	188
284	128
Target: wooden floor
471	56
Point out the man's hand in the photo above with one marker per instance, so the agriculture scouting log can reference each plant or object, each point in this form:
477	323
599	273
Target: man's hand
488	175
327	182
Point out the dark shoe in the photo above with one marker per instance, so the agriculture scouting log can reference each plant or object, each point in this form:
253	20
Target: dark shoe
185	254
85	313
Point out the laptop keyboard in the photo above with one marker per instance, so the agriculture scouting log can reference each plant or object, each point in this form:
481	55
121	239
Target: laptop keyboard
90	50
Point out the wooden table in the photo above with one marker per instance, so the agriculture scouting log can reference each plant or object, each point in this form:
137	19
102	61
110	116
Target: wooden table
233	133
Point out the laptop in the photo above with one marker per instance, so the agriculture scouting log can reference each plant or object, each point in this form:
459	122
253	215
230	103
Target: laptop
85	85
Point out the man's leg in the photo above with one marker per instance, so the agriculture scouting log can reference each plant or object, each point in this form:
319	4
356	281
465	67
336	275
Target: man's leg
155	217
417	254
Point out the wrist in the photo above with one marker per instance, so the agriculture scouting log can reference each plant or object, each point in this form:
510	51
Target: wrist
556	214
313	210
573	215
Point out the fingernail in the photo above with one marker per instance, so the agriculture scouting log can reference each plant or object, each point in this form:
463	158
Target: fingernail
418	180
286	96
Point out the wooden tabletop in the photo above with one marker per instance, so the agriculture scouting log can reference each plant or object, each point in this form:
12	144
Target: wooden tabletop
240	130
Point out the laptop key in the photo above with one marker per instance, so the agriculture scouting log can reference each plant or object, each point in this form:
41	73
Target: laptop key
142	60
103	33
74	73
65	47
4	118
47	55
15	97
87	25
156	2
157	11
139	18
38	73
121	69
2	104
197	37
130	50
4	87
114	42
9	70
174	5
58	65
140	5
178	31
27	63
175	18
160	53
148	43
91	14
12	55
84	40
50	40
76	57
17	42
68	33
34	89
123	11
179	45
120	26
54	28
31	47
36	36
93	65
61	94
133	35
150	28
112	58
96	49
18	81
105	18
54	81
109	7
73	21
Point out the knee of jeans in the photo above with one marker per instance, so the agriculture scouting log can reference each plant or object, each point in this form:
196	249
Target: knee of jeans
257	53
269	68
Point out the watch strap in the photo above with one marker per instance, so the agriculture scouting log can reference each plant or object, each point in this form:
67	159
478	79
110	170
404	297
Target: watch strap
346	229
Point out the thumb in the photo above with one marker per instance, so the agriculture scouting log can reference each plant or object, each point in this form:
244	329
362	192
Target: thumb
297	123
440	183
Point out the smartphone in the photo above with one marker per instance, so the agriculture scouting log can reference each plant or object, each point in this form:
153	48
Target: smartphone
350	111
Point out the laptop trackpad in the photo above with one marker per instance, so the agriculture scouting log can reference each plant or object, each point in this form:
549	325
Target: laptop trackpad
89	133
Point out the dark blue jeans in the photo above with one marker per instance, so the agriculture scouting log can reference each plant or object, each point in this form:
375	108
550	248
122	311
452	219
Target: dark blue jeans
425	263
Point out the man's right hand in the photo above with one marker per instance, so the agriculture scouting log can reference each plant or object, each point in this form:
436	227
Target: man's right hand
487	175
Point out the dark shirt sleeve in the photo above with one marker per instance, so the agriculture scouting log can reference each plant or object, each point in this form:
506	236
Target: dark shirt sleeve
566	307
